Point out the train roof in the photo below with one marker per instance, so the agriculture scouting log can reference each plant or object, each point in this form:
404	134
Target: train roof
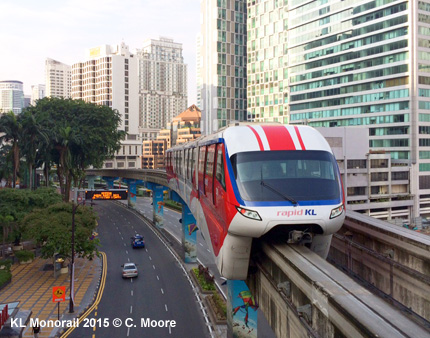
265	137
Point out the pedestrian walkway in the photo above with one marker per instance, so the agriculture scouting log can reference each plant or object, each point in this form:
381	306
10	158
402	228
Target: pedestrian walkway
32	286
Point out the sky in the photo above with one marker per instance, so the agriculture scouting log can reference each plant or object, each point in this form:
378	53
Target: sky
32	31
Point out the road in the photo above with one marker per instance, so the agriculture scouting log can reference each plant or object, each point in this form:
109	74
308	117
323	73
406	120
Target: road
204	255
172	225
161	292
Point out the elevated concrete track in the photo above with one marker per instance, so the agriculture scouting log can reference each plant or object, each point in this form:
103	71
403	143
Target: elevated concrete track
303	295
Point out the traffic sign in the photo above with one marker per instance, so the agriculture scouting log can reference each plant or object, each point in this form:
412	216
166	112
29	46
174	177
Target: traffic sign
111	194
59	294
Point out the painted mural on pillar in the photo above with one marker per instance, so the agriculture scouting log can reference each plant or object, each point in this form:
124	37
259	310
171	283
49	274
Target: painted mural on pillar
158	204
189	235
241	310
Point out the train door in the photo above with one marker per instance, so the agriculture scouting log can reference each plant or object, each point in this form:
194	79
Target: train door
219	193
194	170
202	161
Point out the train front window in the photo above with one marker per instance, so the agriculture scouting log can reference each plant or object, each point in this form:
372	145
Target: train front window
286	175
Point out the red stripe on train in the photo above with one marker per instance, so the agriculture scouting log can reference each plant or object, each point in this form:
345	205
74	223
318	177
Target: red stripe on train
258	138
279	138
299	137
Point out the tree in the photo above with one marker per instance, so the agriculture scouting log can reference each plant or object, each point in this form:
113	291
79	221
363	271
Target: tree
34	138
16	204
82	134
51	228
11	126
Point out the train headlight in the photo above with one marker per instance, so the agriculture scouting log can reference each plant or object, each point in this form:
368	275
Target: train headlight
249	213
336	211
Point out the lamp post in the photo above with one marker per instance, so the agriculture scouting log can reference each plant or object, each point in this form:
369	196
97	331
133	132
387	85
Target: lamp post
72	272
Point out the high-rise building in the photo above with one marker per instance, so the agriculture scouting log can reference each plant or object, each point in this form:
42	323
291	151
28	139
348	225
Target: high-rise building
222	62
109	77
11	96
58	79
267	62
348	63
37	92
162	82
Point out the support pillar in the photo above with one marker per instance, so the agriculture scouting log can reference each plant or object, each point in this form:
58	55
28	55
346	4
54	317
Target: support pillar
91	180
109	181
241	310
132	184
189	235
158	204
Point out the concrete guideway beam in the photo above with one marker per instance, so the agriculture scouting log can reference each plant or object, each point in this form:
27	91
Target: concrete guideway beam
311	295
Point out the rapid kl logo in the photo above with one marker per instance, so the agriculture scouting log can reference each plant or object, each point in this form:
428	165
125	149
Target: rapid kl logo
300	212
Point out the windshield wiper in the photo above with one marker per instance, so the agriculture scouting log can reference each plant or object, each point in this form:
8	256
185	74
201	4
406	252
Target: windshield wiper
288	198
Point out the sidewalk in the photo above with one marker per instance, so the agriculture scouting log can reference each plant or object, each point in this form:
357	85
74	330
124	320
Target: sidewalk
32	285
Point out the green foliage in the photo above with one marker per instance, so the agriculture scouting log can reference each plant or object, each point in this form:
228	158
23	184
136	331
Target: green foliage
5	276
172	204
73	134
7	263
24	255
19	202
52	228
220	303
206	286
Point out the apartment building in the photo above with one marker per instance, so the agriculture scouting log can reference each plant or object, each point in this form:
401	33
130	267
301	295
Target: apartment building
58	79
11	96
162	82
108	77
222	63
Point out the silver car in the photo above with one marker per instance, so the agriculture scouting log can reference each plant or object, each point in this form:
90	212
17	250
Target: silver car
129	270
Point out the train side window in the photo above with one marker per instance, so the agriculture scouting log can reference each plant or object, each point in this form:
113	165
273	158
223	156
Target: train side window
220	175
210	161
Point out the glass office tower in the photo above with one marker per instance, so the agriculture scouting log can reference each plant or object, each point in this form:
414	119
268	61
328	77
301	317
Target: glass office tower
348	63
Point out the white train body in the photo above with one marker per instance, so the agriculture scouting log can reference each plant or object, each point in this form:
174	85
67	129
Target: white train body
249	181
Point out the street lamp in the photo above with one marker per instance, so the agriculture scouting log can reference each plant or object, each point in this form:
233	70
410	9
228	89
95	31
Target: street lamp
72	272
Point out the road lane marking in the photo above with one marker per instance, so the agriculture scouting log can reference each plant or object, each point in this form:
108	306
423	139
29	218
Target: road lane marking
150	258
132	292
153	267
126	252
158	278
162	291
165	305
131	309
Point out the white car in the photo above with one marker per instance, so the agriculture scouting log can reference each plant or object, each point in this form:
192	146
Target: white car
129	270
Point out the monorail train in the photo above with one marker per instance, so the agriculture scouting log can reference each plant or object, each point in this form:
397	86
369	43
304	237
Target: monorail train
253	180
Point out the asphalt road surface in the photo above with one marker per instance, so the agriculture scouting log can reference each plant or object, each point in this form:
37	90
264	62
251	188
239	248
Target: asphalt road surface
160	295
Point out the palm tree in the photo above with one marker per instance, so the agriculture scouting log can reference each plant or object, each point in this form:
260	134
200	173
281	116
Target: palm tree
11	126
65	139
35	138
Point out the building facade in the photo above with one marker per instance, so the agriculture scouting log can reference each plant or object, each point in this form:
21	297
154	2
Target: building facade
267	62
348	63
222	62
162	82
184	128
37	92
109	77
58	79
374	183
11	96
